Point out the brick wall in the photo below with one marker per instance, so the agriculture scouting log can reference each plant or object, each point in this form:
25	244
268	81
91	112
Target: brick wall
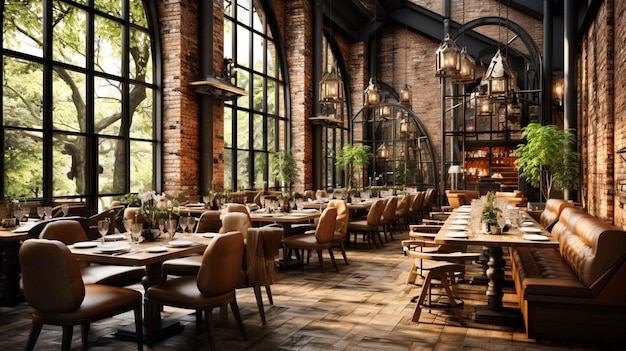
597	119
619	104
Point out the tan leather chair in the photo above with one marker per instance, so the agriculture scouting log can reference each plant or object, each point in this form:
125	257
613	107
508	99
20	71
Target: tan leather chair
321	240
341	225
368	226
403	210
238	208
417	207
214	286
209	221
70	232
53	287
388	217
236	222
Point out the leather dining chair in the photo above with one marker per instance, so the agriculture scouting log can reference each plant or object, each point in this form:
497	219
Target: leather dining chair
214	286
341	226
236	222
70	232
369	225
388	217
209	221
319	239
53	287
403	209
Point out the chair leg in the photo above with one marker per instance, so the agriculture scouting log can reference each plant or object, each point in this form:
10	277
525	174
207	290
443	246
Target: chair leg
332	258
198	319
268	291
343	252
84	334
259	302
67	337
139	327
319	258
420	301
35	330
209	322
235	309
445	281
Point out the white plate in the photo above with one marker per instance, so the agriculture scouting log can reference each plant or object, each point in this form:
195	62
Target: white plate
114	237
462	216
155	249
113	248
85	244
464	209
536	237
531	230
459	221
180	243
209	235
528	224
457	227
456	235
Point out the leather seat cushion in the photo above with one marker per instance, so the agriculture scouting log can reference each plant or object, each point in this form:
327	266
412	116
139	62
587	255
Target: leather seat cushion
361	225
184	292
100	301
543	271
305	241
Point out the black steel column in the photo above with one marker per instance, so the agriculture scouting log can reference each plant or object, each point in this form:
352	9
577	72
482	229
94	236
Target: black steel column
205	101
318	34
569	50
548	35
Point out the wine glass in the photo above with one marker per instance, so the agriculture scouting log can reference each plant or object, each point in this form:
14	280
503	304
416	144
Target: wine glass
135	233
103	228
40	212
65	208
171	227
48	211
161	223
26	213
183	223
191	222
19	213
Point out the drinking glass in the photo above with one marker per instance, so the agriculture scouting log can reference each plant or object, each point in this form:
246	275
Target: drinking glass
65	208
26	213
299	202
135	233
183	223
48	211
19	213
161	222
191	222
40	212
171	227
103	228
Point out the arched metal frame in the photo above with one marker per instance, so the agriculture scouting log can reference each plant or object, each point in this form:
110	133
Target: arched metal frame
409	156
529	71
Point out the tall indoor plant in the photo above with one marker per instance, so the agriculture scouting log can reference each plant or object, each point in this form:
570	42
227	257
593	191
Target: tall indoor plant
284	168
353	156
548	159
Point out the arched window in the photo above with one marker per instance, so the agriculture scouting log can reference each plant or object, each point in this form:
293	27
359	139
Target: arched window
256	125
79	111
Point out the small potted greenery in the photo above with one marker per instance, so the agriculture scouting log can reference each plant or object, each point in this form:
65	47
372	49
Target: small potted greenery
353	156
489	217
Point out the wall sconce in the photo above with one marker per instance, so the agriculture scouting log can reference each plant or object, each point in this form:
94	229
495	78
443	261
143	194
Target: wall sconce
558	90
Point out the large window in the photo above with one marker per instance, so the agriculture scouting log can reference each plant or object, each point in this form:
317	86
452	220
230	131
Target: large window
256	125
78	99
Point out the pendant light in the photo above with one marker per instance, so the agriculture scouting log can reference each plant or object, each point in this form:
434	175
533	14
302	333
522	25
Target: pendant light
405	93
372	95
331	85
448	59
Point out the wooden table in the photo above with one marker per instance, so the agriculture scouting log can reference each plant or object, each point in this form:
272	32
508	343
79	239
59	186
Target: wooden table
362	205
494	312
10	291
284	219
152	262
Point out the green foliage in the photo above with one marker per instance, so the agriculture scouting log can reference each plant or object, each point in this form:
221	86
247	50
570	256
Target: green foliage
284	167
548	159
357	156
490	213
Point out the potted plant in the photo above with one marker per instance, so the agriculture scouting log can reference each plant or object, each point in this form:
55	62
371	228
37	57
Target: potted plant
548	160
284	167
489	217
351	156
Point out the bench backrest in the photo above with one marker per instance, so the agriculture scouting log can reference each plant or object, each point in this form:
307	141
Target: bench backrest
589	245
552	211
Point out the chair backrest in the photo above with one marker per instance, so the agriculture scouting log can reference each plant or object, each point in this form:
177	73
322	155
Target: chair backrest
309	194
110	213
429	198
238	208
552	211
389	213
343	215
235	222
262	247
130	213
418	201
50	275
220	271
375	212
405	203
325	230
209	221
66	231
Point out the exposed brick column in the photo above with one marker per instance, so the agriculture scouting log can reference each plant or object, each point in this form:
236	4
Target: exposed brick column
178	24
298	44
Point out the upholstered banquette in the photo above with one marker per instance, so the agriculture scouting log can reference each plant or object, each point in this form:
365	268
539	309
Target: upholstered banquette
578	291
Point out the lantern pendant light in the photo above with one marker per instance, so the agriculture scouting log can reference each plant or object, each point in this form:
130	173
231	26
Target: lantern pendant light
448	59
331	87
372	95
499	76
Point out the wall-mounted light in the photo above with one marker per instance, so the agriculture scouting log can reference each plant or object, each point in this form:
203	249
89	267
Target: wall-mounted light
558	90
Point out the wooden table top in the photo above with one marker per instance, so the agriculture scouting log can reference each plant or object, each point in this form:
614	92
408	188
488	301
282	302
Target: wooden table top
283	217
